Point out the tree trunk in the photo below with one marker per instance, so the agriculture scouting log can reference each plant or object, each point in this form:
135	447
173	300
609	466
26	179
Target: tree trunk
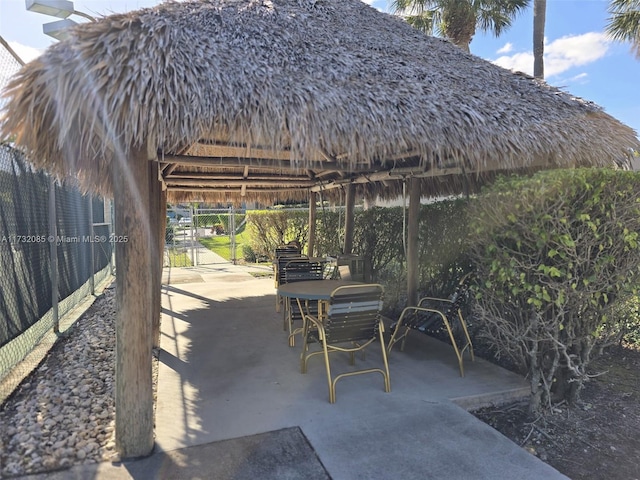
539	19
459	24
133	235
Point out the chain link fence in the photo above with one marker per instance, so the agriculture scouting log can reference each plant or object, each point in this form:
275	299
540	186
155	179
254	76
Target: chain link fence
54	250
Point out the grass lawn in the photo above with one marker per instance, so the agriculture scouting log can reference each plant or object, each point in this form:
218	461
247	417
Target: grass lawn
221	244
178	258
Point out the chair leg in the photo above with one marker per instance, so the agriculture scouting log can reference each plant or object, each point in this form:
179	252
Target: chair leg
332	387
387	381
469	345
454	344
285	318
395	338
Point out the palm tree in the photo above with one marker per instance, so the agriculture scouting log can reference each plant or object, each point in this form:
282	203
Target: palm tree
458	20
539	19
624	23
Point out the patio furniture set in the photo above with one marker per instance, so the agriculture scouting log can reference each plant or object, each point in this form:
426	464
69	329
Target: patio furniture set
330	309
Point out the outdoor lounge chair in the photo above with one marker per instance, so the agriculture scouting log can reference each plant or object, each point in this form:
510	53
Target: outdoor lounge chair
353	322
299	270
432	312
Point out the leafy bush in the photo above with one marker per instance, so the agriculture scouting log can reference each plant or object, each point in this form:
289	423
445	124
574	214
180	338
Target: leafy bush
248	254
268	229
555	255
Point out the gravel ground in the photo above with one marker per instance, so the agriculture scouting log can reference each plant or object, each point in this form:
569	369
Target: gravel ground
63	414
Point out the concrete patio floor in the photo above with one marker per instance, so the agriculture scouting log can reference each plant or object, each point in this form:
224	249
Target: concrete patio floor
226	371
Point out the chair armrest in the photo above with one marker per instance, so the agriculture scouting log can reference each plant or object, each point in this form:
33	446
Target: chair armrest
418	309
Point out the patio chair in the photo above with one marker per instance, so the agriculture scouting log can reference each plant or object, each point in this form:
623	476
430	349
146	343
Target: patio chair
282	258
353	322
431	313
299	270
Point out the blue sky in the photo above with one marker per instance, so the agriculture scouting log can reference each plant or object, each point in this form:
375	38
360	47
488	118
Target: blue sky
578	56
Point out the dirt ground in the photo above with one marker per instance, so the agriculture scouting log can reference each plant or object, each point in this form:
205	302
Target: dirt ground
597	439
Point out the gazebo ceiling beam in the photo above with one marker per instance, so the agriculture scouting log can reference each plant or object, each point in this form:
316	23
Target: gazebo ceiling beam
231	162
397	174
238	182
232	176
254	162
196	189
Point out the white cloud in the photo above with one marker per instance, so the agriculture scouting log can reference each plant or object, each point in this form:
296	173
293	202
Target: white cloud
506	49
580	78
568	52
561	54
519	62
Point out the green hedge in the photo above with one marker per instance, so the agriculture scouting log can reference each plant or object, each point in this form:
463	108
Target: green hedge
556	255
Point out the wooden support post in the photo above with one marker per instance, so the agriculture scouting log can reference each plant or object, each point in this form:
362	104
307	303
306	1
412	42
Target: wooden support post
156	222
313	198
161	242
349	218
133	235
412	241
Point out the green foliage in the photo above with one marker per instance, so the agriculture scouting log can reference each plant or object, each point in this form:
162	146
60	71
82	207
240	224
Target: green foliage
378	238
178	257
267	229
553	255
219	220
248	254
329	233
442	240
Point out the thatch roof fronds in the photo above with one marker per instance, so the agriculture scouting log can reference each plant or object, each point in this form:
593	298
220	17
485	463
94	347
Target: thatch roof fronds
313	79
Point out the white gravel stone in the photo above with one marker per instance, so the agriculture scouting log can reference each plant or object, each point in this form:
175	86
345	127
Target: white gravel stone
63	414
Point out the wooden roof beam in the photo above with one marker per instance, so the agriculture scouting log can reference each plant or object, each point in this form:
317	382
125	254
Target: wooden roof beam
232	176
238	182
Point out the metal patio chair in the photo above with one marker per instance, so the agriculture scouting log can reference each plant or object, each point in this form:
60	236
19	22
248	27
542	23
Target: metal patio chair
431	313
352	323
299	270
283	255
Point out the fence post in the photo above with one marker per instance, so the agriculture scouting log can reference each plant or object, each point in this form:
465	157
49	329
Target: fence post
191	234
92	269
53	253
232	233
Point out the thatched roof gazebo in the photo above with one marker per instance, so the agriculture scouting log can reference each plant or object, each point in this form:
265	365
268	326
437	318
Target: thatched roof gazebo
225	100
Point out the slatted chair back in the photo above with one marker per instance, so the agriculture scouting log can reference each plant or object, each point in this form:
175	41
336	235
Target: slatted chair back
282	258
353	323
286	250
354	314
300	269
282	261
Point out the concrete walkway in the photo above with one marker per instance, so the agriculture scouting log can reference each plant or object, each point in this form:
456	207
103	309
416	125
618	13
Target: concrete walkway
226	372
